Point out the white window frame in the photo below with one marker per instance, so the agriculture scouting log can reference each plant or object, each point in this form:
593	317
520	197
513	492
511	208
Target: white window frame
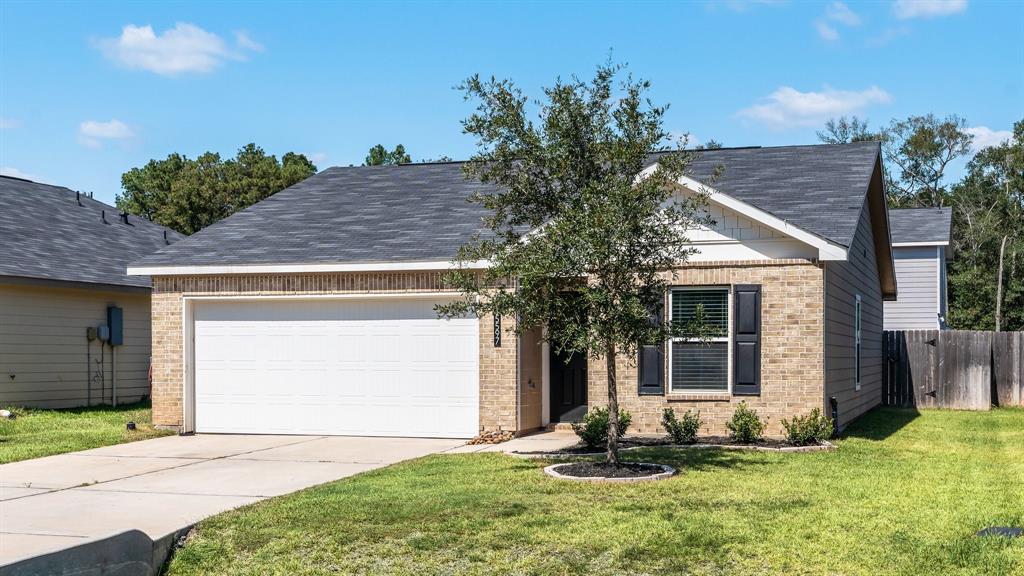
727	339
857	353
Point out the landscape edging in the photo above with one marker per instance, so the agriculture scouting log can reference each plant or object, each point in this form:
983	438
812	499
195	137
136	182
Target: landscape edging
826	446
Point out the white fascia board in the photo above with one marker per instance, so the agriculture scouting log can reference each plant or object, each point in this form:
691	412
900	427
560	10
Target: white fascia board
826	250
912	244
297	268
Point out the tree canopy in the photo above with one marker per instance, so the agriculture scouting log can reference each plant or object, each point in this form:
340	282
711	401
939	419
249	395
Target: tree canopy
190	194
987	271
585	232
379	156
917	153
843	131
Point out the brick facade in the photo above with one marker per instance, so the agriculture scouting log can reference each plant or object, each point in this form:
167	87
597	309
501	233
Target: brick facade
792	336
791	352
497	365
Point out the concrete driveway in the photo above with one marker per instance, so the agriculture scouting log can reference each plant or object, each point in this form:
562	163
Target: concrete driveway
162	485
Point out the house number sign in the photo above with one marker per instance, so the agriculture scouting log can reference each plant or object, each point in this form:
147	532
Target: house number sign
497	331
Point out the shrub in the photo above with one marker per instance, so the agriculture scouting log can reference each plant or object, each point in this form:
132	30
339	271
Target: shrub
593	429
745	426
681	431
811	429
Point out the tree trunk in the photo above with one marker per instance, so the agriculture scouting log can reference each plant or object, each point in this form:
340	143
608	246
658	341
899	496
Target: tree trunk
613	406
999	286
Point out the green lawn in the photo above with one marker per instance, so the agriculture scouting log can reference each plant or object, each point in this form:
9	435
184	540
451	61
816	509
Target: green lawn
36	433
903	494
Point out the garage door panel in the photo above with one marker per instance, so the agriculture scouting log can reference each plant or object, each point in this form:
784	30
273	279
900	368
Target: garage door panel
335	366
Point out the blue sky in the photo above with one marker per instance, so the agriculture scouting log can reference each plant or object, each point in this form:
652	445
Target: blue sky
90	90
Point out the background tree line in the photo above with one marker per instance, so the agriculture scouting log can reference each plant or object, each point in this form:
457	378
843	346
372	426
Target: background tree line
986	276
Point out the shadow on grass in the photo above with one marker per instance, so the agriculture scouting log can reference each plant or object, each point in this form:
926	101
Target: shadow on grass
695	458
880	423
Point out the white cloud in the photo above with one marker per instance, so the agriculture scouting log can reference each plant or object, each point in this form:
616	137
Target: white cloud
787	107
184	48
316	157
91	133
7	123
12	171
246	42
985	137
905	9
825	31
839	12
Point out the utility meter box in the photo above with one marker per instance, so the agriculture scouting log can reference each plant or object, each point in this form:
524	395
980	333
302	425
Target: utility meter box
115	320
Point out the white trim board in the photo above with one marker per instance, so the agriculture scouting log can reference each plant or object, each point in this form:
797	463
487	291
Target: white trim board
296	268
911	244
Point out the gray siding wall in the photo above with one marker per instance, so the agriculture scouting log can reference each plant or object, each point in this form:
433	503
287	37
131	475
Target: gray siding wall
918	303
843	281
43	349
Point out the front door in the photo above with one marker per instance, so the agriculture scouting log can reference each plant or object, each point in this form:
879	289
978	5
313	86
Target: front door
568	386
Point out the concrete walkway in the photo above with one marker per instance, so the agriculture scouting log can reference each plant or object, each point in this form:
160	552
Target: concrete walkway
162	485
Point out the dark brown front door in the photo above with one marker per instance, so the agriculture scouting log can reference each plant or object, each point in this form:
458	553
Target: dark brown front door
568	383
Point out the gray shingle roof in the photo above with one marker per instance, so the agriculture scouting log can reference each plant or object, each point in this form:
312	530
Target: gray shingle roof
920	224
418	212
45	234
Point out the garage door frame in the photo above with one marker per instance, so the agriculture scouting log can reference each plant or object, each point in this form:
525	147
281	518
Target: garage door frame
188	401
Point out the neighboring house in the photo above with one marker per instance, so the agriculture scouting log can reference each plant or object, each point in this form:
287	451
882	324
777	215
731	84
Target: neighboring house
920	249
63	258
312	312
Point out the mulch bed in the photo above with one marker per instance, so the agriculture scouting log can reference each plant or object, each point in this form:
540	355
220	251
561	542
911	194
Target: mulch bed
645	442
606	470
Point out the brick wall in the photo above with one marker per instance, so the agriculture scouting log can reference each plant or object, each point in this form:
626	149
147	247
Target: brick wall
497	365
791	350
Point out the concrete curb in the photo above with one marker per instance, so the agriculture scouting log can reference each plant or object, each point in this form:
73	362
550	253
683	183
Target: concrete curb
667	472
825	447
130	553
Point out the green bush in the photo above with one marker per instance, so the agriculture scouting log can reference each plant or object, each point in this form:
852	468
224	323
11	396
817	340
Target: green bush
593	429
681	431
745	426
811	429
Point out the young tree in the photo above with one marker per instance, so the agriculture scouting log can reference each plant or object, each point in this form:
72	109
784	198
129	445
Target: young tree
379	156
843	131
582	237
987	272
917	152
188	195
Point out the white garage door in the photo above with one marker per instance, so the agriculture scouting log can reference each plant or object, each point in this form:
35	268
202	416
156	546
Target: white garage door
352	366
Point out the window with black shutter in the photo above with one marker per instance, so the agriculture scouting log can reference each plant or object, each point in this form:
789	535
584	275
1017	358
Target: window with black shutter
747	339
699	365
651	363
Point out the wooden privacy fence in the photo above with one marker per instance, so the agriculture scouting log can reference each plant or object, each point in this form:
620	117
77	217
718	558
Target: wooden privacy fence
962	369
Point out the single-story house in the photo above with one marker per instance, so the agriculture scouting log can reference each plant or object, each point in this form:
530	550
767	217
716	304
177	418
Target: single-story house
921	251
311	312
63	257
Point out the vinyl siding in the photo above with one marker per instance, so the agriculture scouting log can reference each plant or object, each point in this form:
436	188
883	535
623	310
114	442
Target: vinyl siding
843	281
43	348
918	274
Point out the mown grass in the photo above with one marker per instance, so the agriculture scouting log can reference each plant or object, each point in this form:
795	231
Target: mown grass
36	433
903	494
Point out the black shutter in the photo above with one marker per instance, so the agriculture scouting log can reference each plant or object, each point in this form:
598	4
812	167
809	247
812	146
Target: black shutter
651	363
747	339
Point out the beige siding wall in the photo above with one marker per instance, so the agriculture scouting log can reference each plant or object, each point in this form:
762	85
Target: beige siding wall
791	350
44	352
497	364
843	281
